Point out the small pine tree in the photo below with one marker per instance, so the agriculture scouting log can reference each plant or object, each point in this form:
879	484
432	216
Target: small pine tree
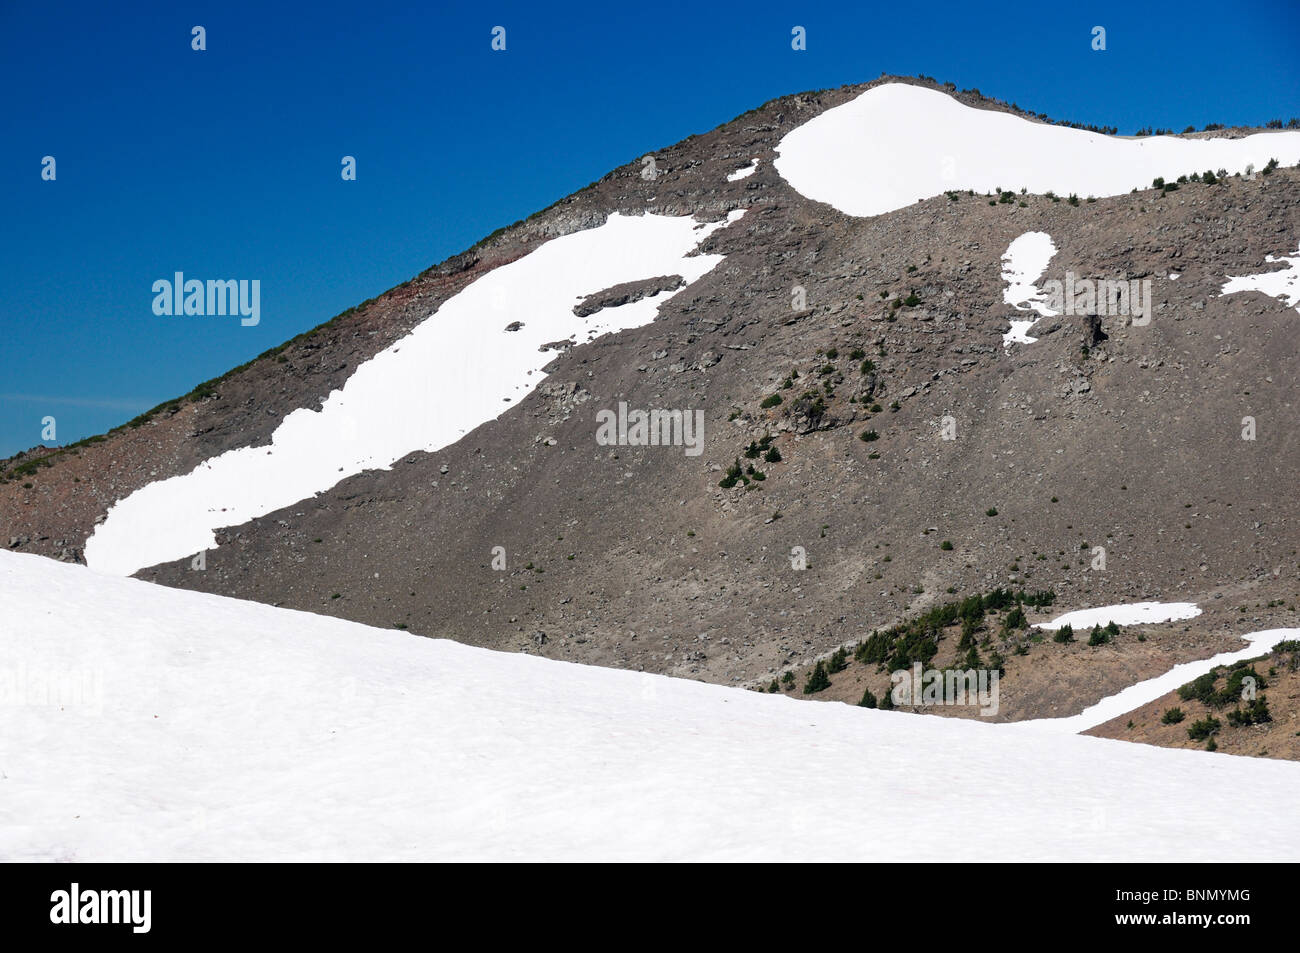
1172	716
735	474
1207	726
817	681
1258	710
1064	634
868	700
1255	713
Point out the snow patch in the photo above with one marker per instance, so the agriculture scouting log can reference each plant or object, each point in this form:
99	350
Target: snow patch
1023	263
463	366
1132	613
897	144
744	172
1283	285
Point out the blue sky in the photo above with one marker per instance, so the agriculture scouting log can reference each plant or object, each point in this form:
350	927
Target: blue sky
225	163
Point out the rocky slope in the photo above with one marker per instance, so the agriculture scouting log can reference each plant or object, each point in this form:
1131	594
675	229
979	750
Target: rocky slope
1103	433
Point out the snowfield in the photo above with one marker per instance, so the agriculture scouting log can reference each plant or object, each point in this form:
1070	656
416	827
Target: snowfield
216	729
464	365
897	144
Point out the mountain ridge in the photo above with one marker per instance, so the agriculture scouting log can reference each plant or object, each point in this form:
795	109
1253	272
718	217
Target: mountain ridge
657	545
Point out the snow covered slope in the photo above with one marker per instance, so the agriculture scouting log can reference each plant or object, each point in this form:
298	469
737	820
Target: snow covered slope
211	728
463	366
897	144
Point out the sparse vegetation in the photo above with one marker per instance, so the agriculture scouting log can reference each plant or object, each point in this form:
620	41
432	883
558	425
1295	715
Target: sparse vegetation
1200	730
735	473
1203	690
917	640
1255	713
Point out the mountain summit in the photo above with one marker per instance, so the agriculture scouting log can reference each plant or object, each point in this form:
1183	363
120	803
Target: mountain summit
939	347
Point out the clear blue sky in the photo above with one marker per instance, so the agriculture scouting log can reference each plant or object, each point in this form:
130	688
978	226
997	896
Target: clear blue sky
225	163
